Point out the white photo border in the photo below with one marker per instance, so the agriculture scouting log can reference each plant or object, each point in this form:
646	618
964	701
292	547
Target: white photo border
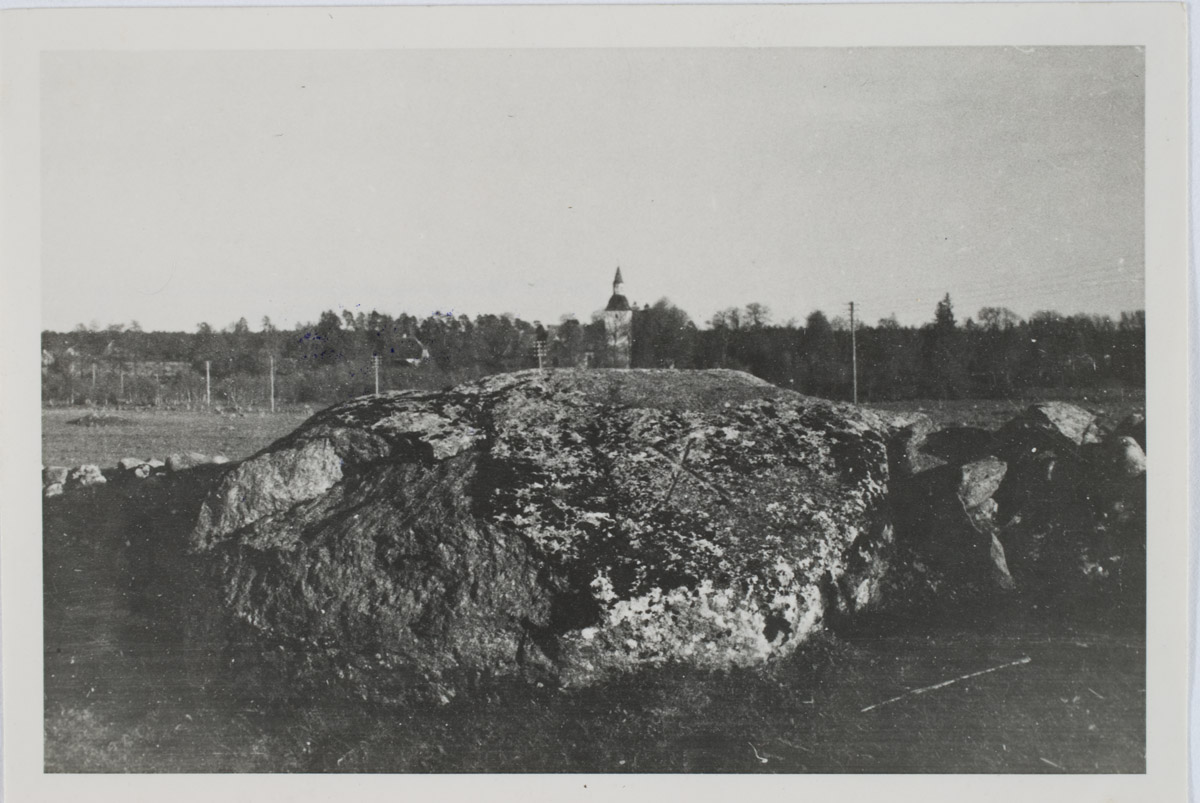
1158	27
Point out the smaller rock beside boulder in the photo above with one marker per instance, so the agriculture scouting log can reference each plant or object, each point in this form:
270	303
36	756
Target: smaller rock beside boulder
139	468
1097	432
1067	419
1133	425
946	519
1123	457
980	481
183	461
1117	481
1047	426
58	479
1073	504
54	475
1052	505
907	435
86	475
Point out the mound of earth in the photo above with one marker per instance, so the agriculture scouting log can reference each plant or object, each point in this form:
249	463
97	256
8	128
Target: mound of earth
99	420
563	525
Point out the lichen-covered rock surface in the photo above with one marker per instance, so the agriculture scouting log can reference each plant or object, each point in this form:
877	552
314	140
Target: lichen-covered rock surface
563	525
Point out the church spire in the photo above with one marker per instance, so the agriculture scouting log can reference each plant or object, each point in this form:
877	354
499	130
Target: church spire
618	327
618	301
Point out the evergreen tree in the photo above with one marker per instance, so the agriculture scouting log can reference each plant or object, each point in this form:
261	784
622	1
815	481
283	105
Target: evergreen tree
944	361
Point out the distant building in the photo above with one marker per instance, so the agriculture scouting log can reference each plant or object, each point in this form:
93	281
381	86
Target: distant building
618	325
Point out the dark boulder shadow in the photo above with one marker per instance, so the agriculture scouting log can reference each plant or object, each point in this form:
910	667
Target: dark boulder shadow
958	445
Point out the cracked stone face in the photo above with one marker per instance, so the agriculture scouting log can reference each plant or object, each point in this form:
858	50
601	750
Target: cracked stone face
568	524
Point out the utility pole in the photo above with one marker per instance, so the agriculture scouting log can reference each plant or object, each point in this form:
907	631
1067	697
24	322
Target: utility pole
853	353
375	360
272	383
207	385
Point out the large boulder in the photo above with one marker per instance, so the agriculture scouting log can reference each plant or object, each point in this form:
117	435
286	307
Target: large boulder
561	524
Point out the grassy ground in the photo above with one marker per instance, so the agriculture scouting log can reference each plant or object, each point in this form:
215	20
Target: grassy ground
147	434
127	691
1076	707
159	433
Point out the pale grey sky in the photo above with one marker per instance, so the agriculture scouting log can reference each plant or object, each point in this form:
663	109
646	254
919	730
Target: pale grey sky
188	187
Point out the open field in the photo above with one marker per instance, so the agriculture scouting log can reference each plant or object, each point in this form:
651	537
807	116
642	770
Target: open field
130	690
158	433
146	434
991	413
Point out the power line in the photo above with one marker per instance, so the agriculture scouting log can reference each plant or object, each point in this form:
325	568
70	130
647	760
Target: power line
853	353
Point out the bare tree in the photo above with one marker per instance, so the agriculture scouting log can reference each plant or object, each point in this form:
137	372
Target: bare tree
757	315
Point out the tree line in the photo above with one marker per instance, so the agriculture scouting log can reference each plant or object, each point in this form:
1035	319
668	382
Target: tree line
996	354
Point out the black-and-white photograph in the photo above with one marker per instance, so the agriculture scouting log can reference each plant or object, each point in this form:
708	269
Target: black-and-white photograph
630	410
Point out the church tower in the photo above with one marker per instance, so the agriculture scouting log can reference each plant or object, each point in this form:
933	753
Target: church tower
618	325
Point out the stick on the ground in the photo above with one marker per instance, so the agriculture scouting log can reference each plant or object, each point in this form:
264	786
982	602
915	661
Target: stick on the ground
946	683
